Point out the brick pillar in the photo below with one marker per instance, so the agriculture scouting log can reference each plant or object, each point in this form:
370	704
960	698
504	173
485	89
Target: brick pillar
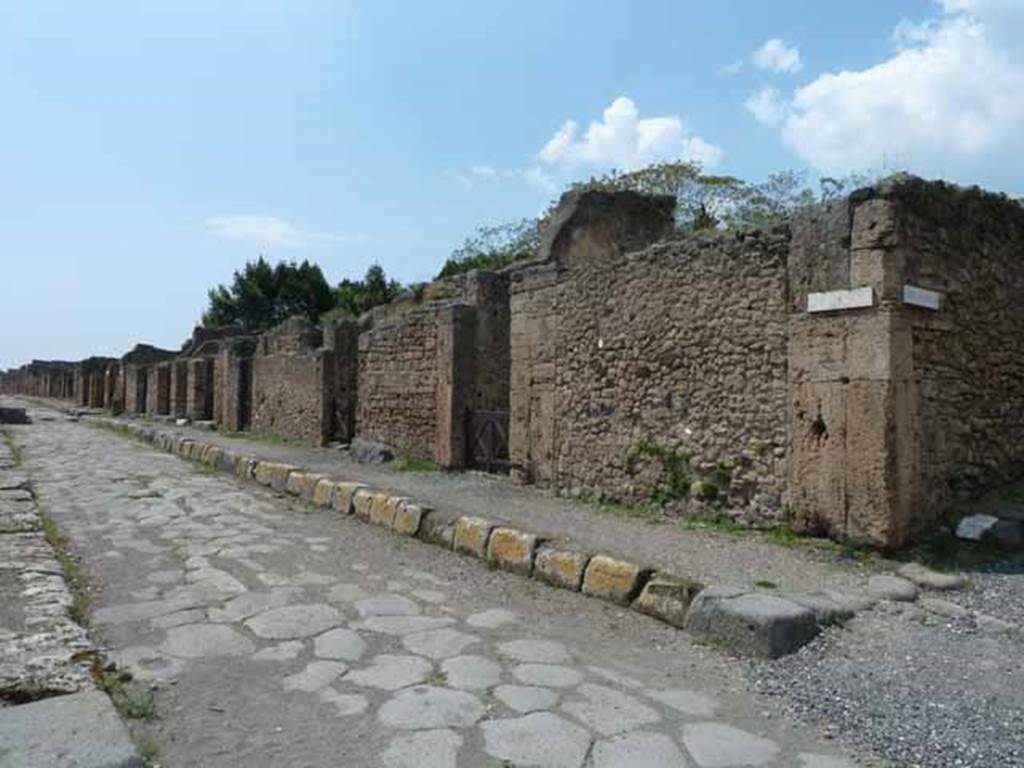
455	347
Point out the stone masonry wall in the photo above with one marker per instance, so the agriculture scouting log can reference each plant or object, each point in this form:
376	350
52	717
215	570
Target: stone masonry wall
623	358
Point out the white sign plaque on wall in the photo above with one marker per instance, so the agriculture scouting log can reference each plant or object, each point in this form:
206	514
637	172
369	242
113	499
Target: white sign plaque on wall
921	297
833	301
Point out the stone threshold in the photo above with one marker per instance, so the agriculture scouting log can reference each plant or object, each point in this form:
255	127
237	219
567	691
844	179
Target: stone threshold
745	622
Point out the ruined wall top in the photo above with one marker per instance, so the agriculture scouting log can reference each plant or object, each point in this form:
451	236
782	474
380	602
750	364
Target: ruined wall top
143	354
200	341
294	336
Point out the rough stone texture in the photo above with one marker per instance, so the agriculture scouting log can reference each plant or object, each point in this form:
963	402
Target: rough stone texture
929	579
303	484
512	550
438	527
344	497
362	503
668	598
612	579
752	623
293	384
273	474
408	518
471	535
892	588
682	343
561	567
323	493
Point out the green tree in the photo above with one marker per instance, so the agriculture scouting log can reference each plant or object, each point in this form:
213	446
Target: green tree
354	297
261	296
495	247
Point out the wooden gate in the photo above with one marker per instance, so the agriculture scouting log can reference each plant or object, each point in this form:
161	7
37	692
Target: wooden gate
487	441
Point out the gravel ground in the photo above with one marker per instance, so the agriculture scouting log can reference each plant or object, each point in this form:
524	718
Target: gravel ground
998	591
928	696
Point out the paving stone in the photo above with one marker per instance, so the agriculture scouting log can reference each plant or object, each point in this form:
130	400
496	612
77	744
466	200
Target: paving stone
893	588
403	625
638	750
316	675
294	621
80	730
430	707
471	535
512	550
615	677
471	672
668	598
387	605
687	702
929	579
285	651
345	704
991	625
491	619
945	608
346	593
612	579
716	745
251	603
426	749
823	761
553	675
526	698
540	739
543	651
343	498
192	616
430	595
391	672
439	643
200	641
407	518
560	567
609	710
339	644
752	623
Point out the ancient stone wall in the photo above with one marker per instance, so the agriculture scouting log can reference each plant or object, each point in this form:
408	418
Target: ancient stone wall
292	383
637	373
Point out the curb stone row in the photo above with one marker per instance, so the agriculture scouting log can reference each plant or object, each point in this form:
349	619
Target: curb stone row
748	622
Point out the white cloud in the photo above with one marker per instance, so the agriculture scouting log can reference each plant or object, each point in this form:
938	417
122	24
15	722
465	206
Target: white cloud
767	106
732	69
776	56
624	141
269	231
949	101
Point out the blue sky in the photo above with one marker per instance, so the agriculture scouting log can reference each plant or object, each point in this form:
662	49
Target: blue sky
148	149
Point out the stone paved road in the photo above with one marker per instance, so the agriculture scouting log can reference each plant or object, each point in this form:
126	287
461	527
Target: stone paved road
276	635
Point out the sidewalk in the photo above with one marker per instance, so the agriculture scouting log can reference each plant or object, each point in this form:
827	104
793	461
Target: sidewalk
712	557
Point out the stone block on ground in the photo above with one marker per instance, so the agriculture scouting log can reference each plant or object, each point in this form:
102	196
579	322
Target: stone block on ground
273	474
561	567
751	623
438	527
827	607
344	496
383	509
13	416
80	730
928	579
512	550
612	579
471	535
369	452
245	467
667	597
407	518
974	527
226	460
894	588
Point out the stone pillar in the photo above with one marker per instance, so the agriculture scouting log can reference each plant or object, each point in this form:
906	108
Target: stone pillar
455	347
179	388
200	389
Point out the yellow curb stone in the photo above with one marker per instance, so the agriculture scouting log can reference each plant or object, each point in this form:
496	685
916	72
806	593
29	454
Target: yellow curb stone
302	484
611	579
471	534
407	519
323	493
512	549
245	467
383	509
361	503
668	598
561	567
437	527
344	496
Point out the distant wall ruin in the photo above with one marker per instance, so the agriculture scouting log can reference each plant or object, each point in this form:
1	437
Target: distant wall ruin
857	371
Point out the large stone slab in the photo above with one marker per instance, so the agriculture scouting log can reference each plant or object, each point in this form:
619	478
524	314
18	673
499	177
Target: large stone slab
80	730
750	622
